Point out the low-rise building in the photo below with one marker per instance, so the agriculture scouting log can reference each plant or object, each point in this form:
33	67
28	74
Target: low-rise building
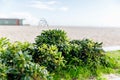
11	21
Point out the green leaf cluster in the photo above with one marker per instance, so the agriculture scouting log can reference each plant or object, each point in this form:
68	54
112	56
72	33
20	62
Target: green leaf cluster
49	56
51	37
17	64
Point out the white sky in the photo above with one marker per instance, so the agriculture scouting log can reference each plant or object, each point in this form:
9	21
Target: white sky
64	12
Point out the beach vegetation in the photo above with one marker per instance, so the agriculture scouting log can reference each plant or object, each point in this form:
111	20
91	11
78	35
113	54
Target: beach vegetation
54	57
51	37
16	63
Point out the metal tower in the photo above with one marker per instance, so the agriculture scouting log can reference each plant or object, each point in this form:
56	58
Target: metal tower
43	23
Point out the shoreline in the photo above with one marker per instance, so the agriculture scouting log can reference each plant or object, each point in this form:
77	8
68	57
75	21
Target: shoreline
109	36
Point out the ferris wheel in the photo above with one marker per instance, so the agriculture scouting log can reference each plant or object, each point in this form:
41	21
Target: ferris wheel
43	22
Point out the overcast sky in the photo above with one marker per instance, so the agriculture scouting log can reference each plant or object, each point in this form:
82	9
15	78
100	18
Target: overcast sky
63	12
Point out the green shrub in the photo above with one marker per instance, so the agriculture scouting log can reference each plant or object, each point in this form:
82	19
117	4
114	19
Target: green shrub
51	37
18	63
109	62
88	51
52	49
82	52
90	54
75	52
48	55
47	52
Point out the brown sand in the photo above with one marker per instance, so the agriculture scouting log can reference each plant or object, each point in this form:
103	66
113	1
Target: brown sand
109	36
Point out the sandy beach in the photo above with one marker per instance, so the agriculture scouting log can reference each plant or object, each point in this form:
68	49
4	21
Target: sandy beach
109	36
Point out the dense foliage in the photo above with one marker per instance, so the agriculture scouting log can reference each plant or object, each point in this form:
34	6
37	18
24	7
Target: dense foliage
88	51
16	63
52	56
51	37
75	53
48	55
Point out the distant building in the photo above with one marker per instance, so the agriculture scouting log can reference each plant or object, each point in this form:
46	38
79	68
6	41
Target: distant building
11	21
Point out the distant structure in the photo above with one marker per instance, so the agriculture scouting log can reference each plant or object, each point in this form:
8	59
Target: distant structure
11	21
43	23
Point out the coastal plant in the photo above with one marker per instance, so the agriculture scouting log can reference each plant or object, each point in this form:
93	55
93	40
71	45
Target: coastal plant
53	52
48	56
108	61
17	63
51	37
87	51
75	52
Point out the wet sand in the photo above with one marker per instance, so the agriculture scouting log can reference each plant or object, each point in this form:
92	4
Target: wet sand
109	36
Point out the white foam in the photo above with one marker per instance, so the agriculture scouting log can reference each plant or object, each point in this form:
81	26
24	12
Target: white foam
111	48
